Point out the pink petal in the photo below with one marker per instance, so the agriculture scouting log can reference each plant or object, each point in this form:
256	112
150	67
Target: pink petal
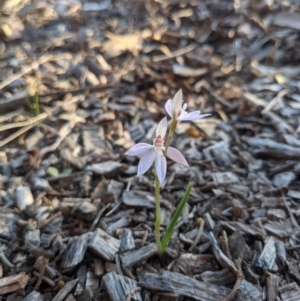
138	149
177	104
168	107
176	156
192	116
162	128
146	161
161	167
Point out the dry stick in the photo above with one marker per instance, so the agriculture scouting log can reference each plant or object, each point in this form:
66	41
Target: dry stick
25	70
96	220
226	245
16	134
144	238
49	220
30	121
42	273
294	221
178	52
237	283
201	221
132	292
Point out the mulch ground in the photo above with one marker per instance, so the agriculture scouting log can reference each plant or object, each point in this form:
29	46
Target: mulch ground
83	81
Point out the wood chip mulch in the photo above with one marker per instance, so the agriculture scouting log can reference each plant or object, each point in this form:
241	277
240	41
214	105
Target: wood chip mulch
81	82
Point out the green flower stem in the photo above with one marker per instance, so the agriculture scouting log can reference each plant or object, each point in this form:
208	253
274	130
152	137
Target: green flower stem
170	135
157	214
175	218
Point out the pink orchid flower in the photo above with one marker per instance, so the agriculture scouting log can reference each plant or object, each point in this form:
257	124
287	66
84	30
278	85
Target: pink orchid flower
177	109
155	153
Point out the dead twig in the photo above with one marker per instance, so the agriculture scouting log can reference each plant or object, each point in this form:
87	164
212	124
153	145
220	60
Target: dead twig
42	268
237	283
201	222
28	122
132	292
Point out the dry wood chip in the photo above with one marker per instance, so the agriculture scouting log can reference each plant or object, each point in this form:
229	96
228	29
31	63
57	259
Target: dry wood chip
237	245
276	214
99	267
245	229
223	260
249	292
75	251
78	162
141	199
294	194
104	168
139	255
197	263
181	285
127	241
289	292
120	287
280	251
224	178
271	147
65	290
123	222
24	197
287	19
34	296
13	283
272	202
186	71
220	151
267	258
250	275
284	179
279	229
294	271
7	223
222	278
104	245
70	297
91	282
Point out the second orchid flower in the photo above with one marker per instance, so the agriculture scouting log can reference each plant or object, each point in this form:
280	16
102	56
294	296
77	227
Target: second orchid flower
155	153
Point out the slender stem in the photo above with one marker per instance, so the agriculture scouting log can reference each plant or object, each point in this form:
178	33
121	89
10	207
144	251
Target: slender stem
170	135
157	213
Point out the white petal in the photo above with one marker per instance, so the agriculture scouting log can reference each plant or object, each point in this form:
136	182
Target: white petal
138	149
192	116
168	107
146	161
162	128
176	105
161	167
176	156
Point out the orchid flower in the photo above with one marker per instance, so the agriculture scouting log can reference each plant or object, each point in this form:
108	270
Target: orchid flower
176	108
155	153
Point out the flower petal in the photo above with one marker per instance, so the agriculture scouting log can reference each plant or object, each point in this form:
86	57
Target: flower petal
176	104
161	167
146	161
162	128
138	149
176	156
168	107
192	116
